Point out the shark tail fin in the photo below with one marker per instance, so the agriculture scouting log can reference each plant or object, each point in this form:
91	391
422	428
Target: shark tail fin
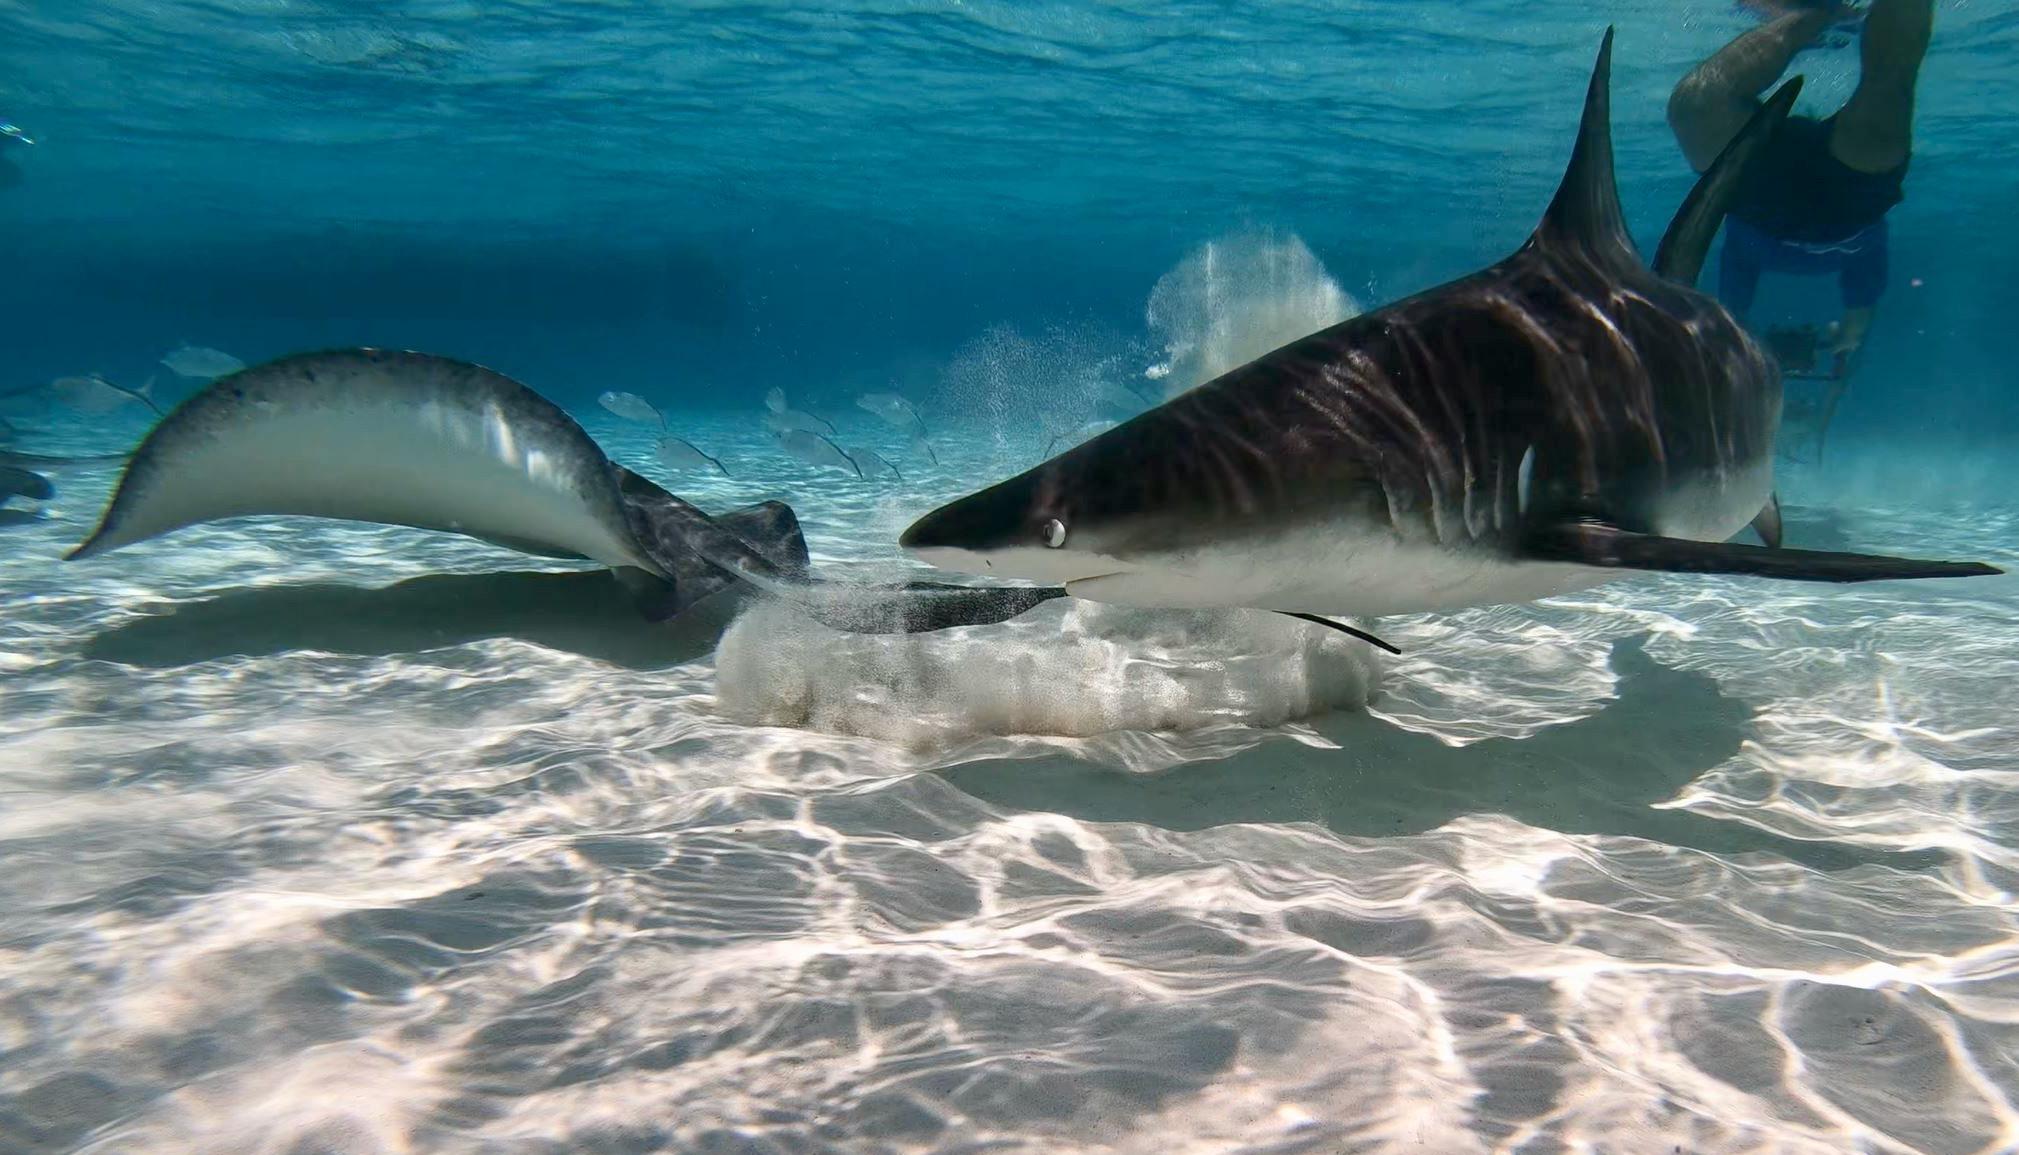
772	529
1609	547
1585	213
1680	256
769	528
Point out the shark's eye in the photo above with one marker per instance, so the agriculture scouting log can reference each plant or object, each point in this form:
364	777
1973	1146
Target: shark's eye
1055	533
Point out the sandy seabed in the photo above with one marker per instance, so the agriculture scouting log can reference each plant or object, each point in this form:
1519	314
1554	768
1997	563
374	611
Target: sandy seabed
324	837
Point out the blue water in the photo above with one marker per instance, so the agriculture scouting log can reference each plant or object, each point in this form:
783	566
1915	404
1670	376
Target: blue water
725	192
338	838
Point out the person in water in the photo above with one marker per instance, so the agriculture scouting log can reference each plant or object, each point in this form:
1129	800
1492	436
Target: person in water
1815	201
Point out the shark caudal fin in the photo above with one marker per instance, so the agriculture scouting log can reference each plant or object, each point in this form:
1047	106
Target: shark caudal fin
698	555
769	527
1585	213
1609	547
1680	256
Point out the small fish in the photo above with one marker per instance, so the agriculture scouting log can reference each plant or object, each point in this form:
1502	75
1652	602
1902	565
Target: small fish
782	418
893	409
920	445
92	393
677	454
23	483
814	449
632	407
868	461
15	132
787	420
199	362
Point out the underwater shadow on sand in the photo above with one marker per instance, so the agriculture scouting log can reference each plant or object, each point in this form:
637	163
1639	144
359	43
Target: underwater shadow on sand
582	613
15	518
1604	774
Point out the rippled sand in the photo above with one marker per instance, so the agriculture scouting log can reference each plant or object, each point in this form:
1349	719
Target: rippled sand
334	838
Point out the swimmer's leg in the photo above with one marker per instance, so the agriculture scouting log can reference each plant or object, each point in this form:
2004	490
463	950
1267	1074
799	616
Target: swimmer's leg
1875	131
1711	104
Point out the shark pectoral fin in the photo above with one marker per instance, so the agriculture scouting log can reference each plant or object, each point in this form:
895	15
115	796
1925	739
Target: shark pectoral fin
1343	628
1597	544
1768	523
656	598
1680	256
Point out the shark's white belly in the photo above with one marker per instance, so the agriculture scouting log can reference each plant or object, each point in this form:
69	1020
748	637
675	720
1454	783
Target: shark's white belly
1337	573
1715	507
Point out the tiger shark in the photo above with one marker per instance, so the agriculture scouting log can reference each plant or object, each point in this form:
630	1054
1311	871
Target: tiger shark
414	439
1538	427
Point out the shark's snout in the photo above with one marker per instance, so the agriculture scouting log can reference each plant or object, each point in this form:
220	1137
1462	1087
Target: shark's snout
937	531
957	536
1000	517
1006	531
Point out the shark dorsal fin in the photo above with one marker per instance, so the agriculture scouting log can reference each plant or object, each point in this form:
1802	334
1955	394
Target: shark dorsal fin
1585	214
1680	257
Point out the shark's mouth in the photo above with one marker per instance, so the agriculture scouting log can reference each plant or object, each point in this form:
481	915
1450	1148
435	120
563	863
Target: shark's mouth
1023	564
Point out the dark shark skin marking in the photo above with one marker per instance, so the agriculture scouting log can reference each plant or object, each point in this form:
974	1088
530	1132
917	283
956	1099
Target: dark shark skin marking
1629	389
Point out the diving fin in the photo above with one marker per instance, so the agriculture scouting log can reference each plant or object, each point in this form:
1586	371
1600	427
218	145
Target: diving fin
1597	544
1680	256
1768	523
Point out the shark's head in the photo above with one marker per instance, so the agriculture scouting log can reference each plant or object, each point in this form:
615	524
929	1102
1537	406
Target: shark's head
1040	526
1175	508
